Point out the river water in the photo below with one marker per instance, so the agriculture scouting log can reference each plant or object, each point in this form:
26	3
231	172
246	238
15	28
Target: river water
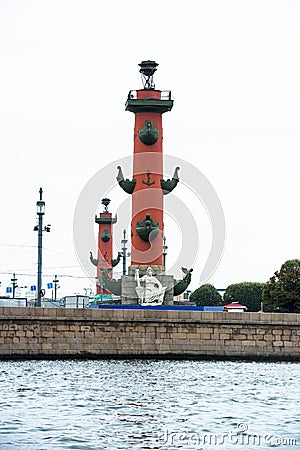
143	404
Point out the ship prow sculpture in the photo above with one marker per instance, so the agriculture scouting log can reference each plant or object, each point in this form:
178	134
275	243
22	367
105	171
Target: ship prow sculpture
146	282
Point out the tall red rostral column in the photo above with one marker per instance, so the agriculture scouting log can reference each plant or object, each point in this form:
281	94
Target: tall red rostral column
105	239
148	186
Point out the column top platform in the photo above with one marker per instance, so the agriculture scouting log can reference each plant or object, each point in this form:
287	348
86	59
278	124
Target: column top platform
149	101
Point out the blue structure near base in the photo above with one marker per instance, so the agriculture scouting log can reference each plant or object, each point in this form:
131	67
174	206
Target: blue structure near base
161	308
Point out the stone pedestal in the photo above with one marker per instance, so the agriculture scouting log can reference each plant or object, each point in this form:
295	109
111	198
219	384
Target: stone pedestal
129	295
128	292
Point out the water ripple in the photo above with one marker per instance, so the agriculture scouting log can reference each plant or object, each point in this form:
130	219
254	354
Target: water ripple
97	405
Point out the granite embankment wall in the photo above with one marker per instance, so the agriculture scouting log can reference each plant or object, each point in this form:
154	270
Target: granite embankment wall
48	333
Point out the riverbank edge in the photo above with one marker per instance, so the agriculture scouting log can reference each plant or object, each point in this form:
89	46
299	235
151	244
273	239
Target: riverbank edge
44	333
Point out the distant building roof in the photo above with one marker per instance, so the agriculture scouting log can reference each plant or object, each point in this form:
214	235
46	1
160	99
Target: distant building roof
235	305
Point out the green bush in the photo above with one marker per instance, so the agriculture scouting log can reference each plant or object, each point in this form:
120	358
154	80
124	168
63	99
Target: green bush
206	295
247	293
282	291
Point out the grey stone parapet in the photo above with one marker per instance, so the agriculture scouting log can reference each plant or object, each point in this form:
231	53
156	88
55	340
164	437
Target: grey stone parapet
143	333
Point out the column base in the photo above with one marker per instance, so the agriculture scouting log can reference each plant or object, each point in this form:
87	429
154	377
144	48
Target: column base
129	294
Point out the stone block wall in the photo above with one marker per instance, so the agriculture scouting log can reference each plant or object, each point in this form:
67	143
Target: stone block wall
49	332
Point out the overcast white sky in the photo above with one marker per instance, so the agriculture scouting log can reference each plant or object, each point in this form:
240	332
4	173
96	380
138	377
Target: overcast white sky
233	67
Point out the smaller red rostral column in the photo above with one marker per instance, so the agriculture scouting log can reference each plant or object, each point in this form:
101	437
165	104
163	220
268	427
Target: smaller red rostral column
147	223
105	241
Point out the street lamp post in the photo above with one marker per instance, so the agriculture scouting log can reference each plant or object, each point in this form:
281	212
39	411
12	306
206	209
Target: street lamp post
40	210
124	251
165	251
55	281
101	288
14	285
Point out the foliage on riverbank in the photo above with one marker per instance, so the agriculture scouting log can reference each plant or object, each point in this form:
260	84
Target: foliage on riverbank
282	292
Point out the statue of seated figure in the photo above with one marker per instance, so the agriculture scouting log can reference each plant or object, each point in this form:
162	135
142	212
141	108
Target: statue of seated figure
149	289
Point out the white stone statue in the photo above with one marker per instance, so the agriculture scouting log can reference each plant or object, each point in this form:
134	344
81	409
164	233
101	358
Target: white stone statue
149	289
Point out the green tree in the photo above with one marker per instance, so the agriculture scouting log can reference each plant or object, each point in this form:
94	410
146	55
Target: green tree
247	293
282	291
206	295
